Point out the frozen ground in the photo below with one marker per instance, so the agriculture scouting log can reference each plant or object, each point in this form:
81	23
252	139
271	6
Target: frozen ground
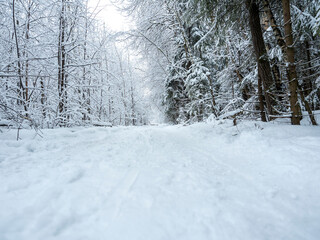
206	181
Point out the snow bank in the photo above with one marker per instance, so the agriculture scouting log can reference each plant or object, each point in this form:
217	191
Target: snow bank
205	181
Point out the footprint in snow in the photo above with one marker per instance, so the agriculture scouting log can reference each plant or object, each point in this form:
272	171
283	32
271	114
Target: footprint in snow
76	176
31	148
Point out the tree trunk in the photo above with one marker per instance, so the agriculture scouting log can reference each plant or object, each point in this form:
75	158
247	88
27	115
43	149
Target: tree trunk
26	55
277	76
308	108
62	61
283	45
84	70
43	98
275	28
213	100
307	83
292	73
260	51
21	90
261	104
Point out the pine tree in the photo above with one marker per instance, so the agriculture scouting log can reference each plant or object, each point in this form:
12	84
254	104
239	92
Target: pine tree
198	91
175	97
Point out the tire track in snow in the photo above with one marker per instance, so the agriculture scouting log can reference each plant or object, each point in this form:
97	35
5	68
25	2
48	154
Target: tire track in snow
124	188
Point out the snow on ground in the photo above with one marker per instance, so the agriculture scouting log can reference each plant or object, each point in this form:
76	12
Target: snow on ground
205	181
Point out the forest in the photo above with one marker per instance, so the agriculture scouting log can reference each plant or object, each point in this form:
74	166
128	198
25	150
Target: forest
60	67
159	119
194	60
246	59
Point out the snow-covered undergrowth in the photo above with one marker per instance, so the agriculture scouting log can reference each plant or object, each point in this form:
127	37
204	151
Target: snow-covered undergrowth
205	181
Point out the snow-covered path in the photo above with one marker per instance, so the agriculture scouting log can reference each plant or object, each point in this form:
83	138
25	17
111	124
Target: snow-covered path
206	181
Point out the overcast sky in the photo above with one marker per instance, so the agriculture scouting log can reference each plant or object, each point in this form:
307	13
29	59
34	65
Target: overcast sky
110	15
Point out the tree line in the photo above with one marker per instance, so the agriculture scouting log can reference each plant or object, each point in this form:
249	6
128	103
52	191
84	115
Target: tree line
61	67
237	58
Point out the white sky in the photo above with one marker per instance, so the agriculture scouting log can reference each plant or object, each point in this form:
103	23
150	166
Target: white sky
108	13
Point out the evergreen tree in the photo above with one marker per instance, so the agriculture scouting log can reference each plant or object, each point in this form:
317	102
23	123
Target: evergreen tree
176	98
198	91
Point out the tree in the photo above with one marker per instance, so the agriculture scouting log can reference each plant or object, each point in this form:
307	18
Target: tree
59	67
198	91
292	73
214	33
264	69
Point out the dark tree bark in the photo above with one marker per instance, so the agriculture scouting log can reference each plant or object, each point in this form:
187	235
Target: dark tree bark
273	23
62	61
43	98
22	89
277	76
26	55
261	104
284	45
307	83
280	42
292	72
264	68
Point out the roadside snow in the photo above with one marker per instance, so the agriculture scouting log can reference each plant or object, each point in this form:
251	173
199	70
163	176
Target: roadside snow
205	181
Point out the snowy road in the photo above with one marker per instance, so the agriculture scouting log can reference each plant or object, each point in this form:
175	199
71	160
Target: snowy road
206	181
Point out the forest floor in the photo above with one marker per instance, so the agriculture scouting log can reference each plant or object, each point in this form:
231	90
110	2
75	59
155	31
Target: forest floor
205	181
